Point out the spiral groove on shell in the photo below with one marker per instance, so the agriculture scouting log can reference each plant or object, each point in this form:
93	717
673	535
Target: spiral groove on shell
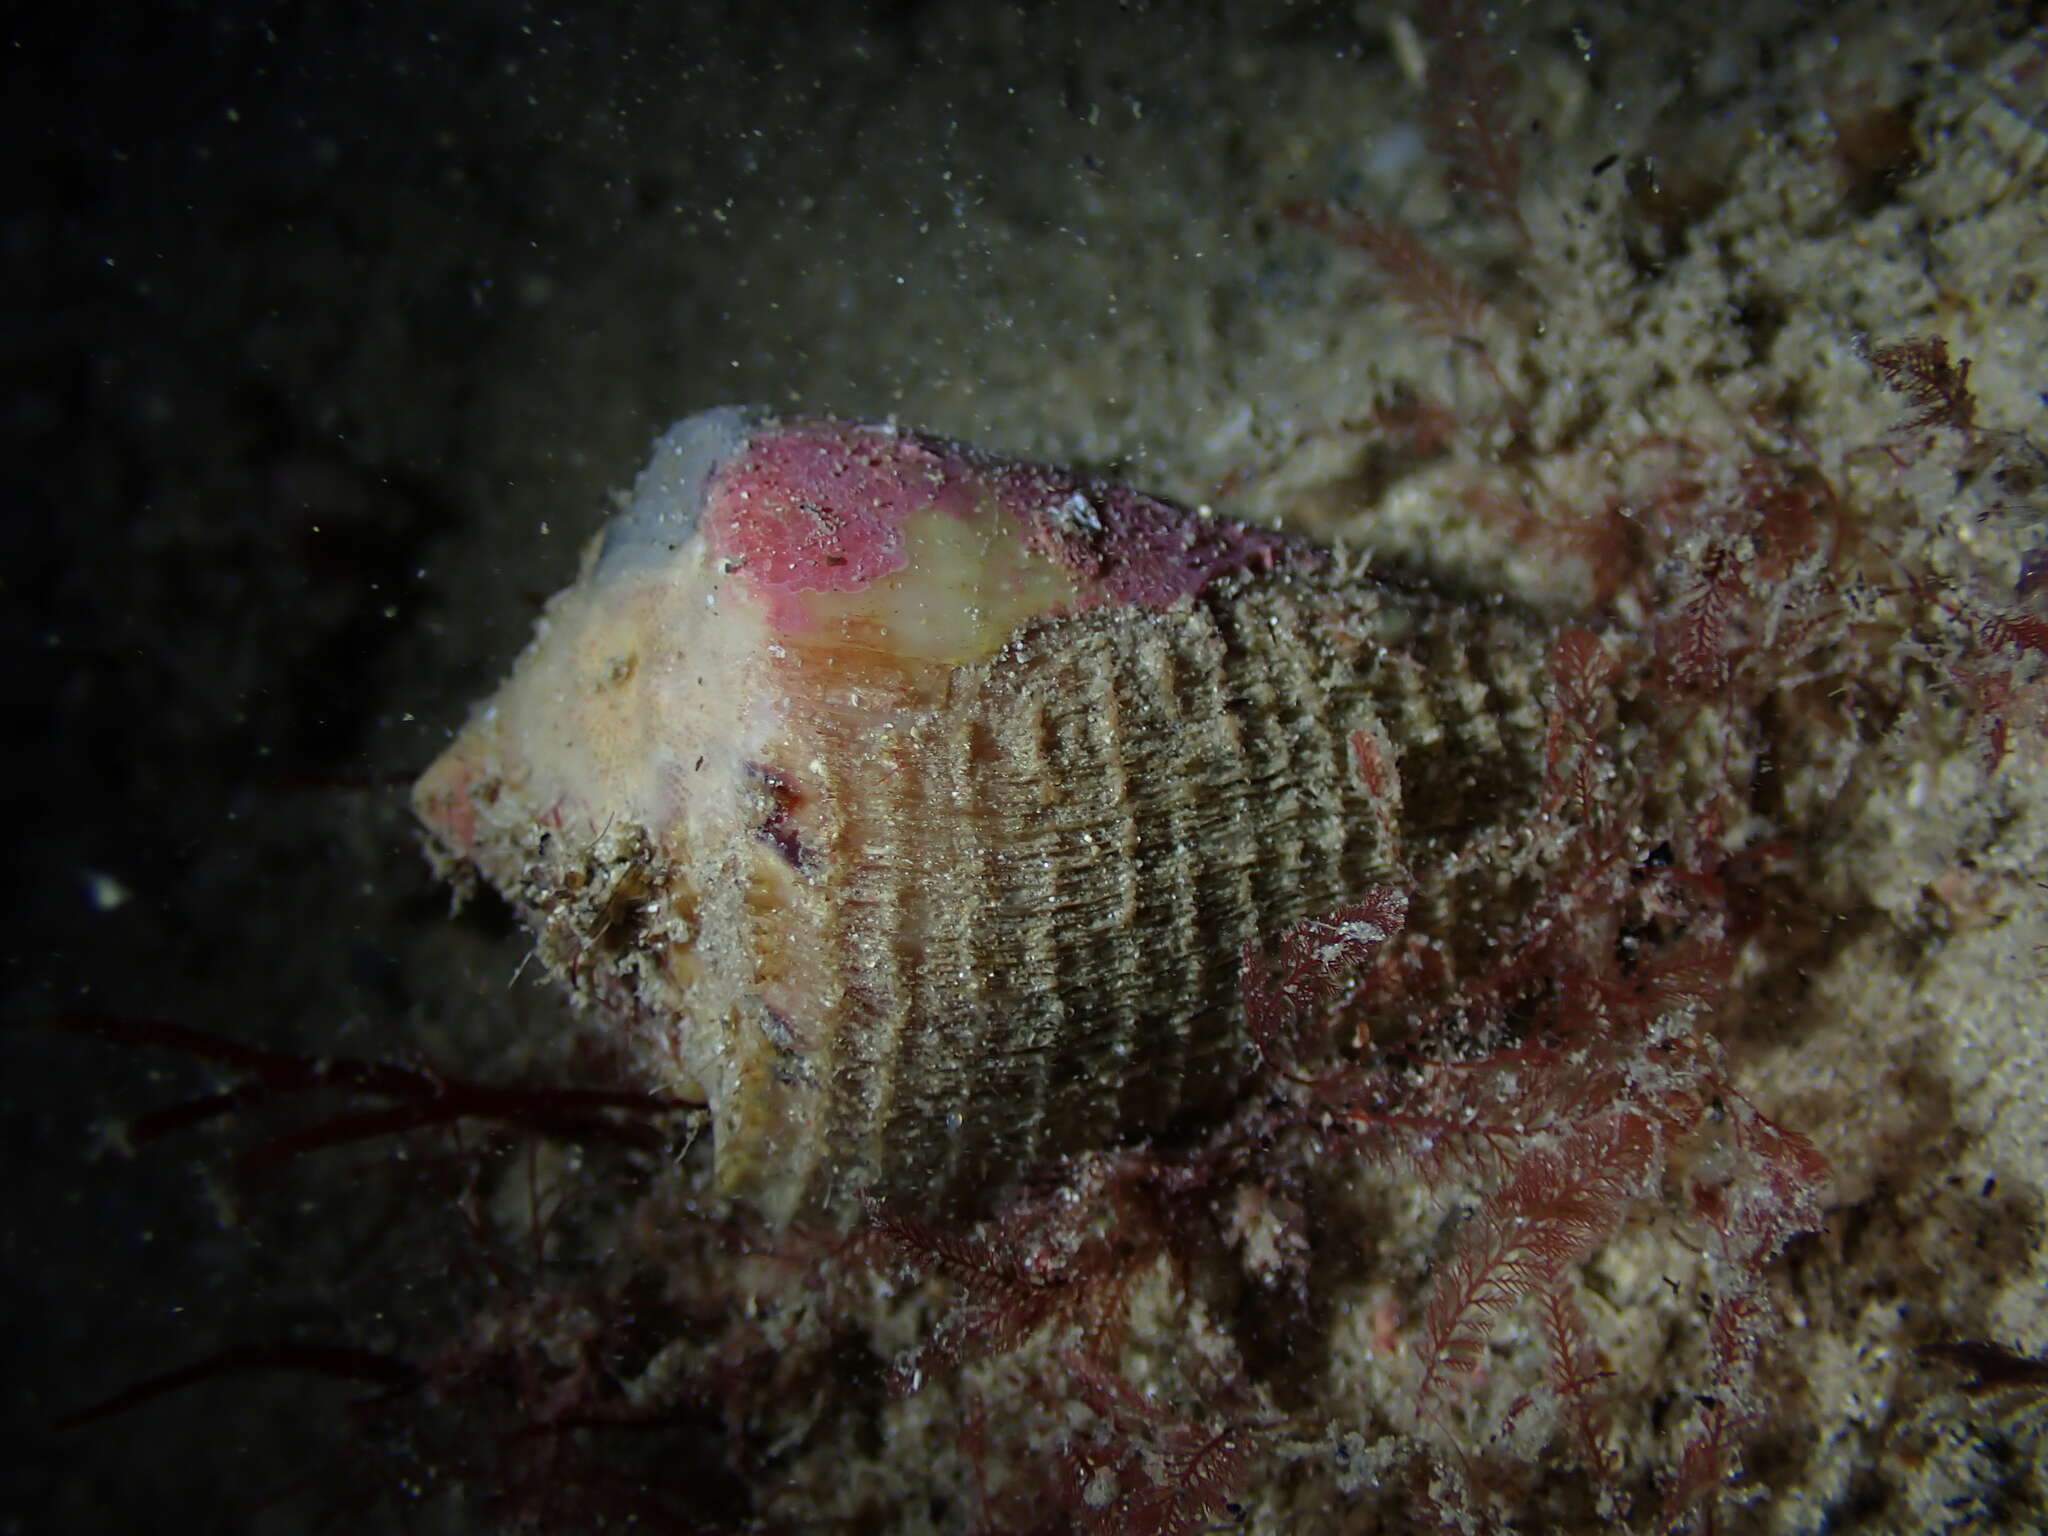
1086	833
925	873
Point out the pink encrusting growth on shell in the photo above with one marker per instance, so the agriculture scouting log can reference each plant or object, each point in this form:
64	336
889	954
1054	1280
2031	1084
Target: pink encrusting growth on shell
817	505
1127	547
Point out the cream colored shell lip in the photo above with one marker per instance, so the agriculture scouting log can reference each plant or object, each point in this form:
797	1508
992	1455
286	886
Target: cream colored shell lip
912	804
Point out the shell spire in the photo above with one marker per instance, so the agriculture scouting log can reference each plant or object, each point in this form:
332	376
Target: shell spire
911	804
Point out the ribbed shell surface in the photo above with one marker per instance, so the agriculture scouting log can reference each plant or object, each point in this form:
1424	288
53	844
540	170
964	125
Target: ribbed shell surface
1028	914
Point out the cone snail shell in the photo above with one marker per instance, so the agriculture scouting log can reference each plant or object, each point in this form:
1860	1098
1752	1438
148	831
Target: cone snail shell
912	805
